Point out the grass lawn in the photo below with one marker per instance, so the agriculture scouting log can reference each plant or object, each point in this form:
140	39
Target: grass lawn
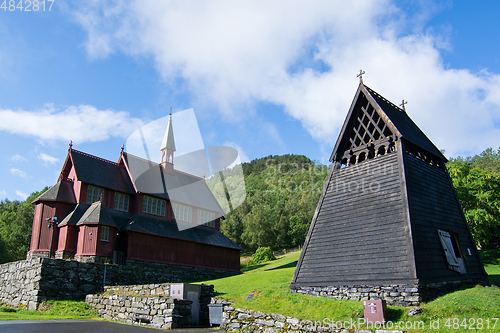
270	281
51	310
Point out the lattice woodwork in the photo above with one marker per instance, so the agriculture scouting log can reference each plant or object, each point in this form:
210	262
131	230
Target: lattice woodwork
370	137
368	127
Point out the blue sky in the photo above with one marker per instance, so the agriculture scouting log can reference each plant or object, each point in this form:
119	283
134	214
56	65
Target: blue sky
266	78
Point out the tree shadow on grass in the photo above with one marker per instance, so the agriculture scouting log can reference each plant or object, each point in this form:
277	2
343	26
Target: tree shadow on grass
292	264
494	279
253	267
490	257
394	314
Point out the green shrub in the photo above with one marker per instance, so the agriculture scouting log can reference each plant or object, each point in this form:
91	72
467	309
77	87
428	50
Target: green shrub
5	309
263	254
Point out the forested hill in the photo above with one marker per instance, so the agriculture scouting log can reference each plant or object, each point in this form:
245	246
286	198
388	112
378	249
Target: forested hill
287	162
281	196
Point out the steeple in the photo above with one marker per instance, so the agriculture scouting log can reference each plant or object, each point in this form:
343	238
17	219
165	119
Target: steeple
168	147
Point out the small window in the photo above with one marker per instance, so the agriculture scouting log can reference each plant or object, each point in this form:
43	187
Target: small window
153	206
121	202
451	250
105	234
182	212
94	194
206	218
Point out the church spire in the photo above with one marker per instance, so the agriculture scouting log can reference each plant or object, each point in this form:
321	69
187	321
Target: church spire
168	145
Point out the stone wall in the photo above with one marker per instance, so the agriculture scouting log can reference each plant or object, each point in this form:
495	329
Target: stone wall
157	311
397	295
163	289
29	282
255	321
19	283
149	305
400	295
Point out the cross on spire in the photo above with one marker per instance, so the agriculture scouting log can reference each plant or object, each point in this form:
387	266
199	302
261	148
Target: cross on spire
360	75
402	105
170	110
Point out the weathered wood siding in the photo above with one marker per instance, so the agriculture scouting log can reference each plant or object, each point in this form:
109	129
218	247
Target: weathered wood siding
87	240
106	248
433	205
360	235
147	247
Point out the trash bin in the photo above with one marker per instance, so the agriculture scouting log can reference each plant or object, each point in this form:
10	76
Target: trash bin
215	313
374	311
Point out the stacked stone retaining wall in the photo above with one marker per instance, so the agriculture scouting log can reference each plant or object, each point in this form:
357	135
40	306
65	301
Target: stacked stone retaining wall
400	295
156	311
27	283
397	295
234	319
163	289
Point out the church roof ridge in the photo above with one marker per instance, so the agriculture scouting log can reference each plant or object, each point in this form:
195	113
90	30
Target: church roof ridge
159	164
94	157
382	97
140	158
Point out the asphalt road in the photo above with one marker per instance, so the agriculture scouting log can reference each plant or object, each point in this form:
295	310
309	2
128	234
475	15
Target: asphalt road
83	326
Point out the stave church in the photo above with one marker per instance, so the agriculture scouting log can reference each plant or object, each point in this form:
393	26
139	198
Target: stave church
104	211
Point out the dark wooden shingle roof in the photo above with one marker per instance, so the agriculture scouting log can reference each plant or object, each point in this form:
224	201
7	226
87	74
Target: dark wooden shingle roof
151	178
97	214
408	129
74	216
100	172
161	227
62	191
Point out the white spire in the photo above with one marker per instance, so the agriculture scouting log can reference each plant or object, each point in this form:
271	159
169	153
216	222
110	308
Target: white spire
168	138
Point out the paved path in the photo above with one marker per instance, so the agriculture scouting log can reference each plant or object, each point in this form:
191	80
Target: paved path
83	326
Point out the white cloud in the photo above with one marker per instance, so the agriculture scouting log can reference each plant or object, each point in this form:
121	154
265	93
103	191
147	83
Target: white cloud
81	123
18	172
3	194
243	157
47	158
21	194
18	158
241	53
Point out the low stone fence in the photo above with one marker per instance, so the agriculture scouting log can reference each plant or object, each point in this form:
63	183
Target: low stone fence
163	289
160	311
150	305
27	283
255	321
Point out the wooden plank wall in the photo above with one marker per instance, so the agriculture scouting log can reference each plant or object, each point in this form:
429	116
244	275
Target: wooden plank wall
147	247
433	206
360	236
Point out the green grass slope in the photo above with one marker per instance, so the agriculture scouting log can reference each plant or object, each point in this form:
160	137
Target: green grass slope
51	310
269	283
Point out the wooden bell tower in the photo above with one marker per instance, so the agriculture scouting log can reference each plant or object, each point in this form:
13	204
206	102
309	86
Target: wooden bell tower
388	224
